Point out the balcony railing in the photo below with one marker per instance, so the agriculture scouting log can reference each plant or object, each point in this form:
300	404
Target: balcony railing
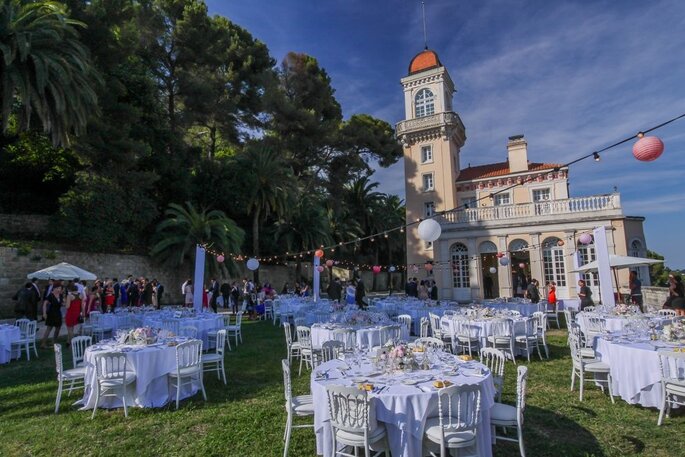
577	205
426	122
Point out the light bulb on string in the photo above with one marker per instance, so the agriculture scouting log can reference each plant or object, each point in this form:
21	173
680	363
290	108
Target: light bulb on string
595	155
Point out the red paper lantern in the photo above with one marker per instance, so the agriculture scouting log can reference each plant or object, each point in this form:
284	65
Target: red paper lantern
648	148
220	258
428	266
318	253
329	263
500	255
376	269
522	266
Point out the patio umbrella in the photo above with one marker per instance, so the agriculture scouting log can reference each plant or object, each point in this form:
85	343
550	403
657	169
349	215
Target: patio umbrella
63	271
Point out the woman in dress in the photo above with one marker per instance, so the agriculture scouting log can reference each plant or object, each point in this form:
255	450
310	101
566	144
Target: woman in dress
552	293
52	313
74	307
423	291
585	295
93	303
109	297
188	292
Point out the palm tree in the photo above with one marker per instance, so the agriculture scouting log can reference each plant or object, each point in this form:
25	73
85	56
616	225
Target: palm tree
185	227
361	197
45	68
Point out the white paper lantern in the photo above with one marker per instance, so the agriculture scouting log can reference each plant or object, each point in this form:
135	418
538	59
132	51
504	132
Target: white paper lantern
392	268
252	264
493	270
429	230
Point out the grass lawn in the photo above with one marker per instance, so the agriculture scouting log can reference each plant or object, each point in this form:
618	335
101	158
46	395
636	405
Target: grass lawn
246	418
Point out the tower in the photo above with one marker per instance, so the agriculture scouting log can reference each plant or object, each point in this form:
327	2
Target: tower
432	135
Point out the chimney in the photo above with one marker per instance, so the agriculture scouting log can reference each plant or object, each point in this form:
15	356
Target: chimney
517	150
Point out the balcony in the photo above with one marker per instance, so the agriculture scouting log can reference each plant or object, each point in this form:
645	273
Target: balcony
447	120
595	206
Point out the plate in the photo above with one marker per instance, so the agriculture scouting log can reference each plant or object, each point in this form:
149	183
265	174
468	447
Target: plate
410	382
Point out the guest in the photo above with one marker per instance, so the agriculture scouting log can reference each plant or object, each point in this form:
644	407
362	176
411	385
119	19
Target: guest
124	293
225	291
552	293
422	291
188	293
214	289
334	290
35	300
360	294
23	299
487	286
585	295
134	293
74	307
235	297
148	292
52	314
350	291
433	290
305	291
635	290
110	299
676	294
93	300
286	289
159	293
413	288
532	291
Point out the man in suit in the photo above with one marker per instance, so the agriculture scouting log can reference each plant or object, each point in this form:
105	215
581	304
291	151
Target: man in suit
359	294
335	290
214	289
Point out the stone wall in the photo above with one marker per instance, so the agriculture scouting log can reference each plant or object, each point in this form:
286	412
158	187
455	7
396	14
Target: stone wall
24	224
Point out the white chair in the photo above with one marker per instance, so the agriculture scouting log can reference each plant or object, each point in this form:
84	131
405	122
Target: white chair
541	324
75	377
300	406
79	344
353	422
172	325
215	361
269	310
589	309
424	327
299	321
429	341
188	368
672	382
405	321
494	359
304	337
111	378
505	416
331	350
27	340
666	312
593	366
347	336
436	331
293	347
529	340
211	335
552	314
502	337
585	352
99	328
456	425
188	331
235	330
465	337
594	326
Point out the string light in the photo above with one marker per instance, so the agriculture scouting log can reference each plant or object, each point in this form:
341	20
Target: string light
596	156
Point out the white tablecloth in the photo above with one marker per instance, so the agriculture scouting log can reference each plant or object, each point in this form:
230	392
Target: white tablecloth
364	336
402	408
203	324
8	334
151	364
634	369
526	309
447	324
615	323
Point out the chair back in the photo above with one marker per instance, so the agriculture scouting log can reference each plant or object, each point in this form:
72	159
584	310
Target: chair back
94	317
331	349
30	331
436	332
594	323
666	312
459	408
226	320
221	341
300	322
450	312
672	368
239	319
59	367
405	321
110	366
589	309
390	333
495	360
350	409
78	348
531	327
425	325
304	336
540	319
347	336
189	354
189	331
23	324
521	383
570	318
287	387
574	343
502	328
429	341
465	329
288	333
171	325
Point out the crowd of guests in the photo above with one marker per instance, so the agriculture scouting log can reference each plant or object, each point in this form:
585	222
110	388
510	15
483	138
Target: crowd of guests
423	290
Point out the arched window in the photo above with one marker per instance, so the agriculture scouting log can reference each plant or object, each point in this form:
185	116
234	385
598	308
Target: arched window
553	262
518	245
424	103
587	255
487	247
637	249
460	266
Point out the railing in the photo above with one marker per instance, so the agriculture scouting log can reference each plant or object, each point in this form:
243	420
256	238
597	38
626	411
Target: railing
524	210
421	123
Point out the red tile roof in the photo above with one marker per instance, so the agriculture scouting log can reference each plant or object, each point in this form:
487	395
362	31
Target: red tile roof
499	169
425	60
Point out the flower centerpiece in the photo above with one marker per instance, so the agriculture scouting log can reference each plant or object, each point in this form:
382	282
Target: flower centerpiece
359	318
621	309
397	357
140	336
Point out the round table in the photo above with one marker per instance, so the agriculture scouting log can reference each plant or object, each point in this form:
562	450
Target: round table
634	368
614	323
203	323
483	325
8	334
151	364
403	409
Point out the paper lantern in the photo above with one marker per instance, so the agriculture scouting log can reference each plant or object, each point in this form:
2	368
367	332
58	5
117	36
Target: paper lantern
320	268
504	261
648	148
329	263
429	230
493	270
318	253
560	243
414	269
252	264
392	268
522	266
220	258
500	255
428	266
376	269
585	238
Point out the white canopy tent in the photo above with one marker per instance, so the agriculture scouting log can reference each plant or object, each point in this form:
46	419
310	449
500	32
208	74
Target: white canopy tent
618	262
63	271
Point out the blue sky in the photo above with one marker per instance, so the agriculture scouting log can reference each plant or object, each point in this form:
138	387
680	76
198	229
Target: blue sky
572	76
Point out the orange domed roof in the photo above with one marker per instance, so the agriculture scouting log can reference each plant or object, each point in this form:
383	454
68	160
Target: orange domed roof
424	60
